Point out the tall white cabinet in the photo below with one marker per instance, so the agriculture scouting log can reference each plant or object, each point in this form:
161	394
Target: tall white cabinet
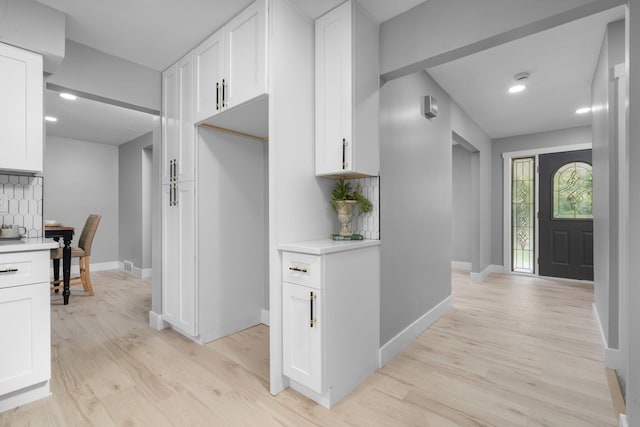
330	316
214	203
347	93
21	109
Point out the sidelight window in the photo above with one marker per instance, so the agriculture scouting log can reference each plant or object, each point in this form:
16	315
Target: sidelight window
523	214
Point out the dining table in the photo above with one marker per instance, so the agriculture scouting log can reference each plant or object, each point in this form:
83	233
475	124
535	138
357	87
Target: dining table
56	233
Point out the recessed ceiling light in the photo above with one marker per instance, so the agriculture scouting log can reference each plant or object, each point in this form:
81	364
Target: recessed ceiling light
583	110
68	96
50	118
520	83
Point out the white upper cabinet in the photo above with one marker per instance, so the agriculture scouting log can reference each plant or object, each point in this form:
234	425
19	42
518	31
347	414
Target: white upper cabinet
347	93
21	109
231	65
209	63
178	132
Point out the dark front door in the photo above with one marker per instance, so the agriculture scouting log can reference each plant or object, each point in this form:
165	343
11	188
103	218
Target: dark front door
566	217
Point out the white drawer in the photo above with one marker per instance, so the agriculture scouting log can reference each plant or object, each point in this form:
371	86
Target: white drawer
302	269
24	268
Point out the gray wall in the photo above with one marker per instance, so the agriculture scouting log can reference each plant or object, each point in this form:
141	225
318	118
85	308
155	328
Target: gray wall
130	195
81	178
461	204
571	136
605	212
94	72
632	354
415	197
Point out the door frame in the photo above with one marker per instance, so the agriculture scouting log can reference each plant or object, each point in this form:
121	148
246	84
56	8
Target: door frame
506	199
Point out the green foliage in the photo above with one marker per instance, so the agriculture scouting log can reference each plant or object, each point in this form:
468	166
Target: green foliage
342	191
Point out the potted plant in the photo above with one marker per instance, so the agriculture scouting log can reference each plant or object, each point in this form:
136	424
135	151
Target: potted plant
344	200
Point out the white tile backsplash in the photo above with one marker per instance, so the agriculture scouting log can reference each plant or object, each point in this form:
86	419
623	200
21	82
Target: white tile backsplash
368	224
24	196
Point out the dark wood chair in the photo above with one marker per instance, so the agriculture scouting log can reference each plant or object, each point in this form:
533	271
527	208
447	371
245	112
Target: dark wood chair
82	252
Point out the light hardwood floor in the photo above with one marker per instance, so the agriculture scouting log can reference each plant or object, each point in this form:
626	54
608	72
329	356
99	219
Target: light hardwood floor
513	351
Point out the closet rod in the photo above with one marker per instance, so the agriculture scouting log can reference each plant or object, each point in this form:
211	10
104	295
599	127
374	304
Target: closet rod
234	132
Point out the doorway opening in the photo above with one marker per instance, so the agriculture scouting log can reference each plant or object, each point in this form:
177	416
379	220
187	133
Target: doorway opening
548	225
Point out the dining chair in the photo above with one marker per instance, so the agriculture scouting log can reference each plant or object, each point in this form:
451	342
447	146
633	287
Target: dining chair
82	252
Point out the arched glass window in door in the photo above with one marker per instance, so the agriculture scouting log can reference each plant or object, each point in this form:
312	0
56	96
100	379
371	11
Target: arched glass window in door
573	191
523	195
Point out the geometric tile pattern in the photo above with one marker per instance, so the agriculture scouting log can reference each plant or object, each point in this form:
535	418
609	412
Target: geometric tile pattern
368	224
24	196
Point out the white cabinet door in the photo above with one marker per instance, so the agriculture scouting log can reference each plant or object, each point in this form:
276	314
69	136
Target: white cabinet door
178	132
302	325
246	43
25	334
347	93
334	104
209	66
178	257
21	110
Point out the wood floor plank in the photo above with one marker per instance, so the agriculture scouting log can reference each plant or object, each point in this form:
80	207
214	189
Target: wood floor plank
513	351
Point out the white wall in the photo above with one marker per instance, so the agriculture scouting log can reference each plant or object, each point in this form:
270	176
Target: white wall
81	178
131	156
571	136
415	203
438	31
461	204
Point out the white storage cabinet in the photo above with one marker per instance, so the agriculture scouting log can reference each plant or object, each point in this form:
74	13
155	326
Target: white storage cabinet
331	312
347	93
25	327
231	65
21	109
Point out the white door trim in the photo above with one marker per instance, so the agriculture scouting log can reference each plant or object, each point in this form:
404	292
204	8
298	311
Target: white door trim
506	196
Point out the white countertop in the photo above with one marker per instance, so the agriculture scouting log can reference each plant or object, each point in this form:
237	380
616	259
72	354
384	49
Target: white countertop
27	244
327	246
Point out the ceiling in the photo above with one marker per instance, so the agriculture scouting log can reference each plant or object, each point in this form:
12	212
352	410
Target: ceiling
561	62
93	121
155	33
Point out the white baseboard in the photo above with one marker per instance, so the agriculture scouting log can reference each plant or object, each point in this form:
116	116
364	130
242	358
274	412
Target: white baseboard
156	322
100	266
265	317
24	396
491	268
398	343
611	355
140	272
461	265
623	421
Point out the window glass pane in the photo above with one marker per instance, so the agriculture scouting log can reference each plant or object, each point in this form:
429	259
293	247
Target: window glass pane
572	191
522	215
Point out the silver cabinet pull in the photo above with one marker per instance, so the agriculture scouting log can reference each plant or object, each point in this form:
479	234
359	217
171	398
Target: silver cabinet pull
9	270
302	270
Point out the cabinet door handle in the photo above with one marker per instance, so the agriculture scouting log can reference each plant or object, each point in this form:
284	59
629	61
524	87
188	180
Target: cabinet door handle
303	270
175	194
170	170
344	153
175	170
171	195
217	96
9	270
224	97
312	320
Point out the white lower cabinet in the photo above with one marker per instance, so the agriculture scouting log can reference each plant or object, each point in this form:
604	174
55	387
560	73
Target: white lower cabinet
302	329
331	316
25	327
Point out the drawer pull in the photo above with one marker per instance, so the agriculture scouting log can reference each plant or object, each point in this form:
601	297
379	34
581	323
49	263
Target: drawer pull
303	270
9	270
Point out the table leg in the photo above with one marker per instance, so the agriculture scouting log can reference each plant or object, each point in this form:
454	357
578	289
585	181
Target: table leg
56	273
66	269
